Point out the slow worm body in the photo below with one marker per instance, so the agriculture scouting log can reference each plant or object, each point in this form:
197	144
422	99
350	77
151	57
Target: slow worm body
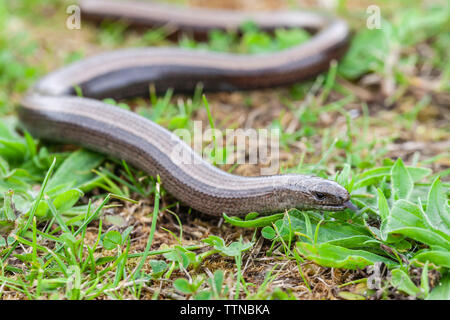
51	111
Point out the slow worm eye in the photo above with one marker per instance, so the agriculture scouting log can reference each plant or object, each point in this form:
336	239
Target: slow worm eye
320	195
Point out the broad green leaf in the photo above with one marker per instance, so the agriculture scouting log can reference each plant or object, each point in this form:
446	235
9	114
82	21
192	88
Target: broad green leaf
258	222
214	241
7	132
413	26
424	282
111	240
126	233
328	255
67	199
406	218
383	208
344	177
366	53
53	284
7	212
268	232
402	184
203	295
438	258
251	216
12	146
158	267
77	168
116	220
330	231
437	212
354	242
400	280
104	260
234	249
183	286
373	175
287	38
218	281
69	240
442	291
350	296
42	209
178	254
12	150
4	167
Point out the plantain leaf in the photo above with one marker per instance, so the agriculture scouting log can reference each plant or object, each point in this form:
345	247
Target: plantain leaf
407	218
437	257
400	279
402	183
333	256
76	169
442	291
437	212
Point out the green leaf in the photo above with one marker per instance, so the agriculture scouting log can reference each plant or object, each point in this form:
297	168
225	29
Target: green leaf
67	199
365	53
4	168
383	208
438	258
2	242
111	240
218	281
406	218
214	241
400	280
268	233
7	212
287	38
437	212
371	176
258	222
104	260
183	286
442	291
351	296
203	295
344	177
233	250
402	184
42	209
115	220
424	283
12	146
158	267
328	255
178	255
69	240
335	232
126	233
251	216
76	169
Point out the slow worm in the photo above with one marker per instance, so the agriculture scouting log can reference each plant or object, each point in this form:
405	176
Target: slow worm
51	110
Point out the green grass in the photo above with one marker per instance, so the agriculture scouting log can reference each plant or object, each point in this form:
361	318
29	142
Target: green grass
73	222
